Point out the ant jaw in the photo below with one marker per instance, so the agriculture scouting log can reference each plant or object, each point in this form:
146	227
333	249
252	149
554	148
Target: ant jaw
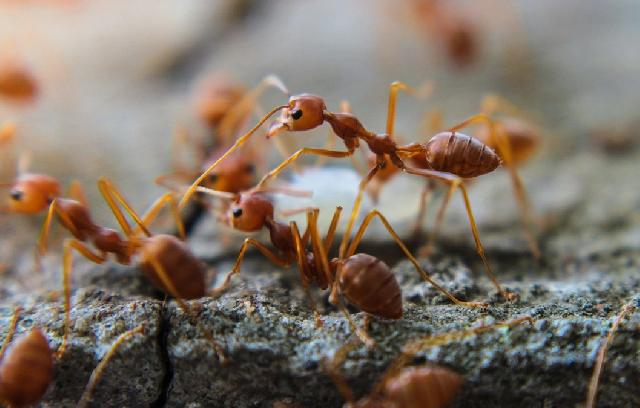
277	127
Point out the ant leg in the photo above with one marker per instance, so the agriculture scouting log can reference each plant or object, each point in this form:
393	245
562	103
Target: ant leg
231	121
435	231
239	142
457	183
422	92
303	269
356	208
500	140
108	191
268	253
425	199
602	353
333	370
167	283
41	248
67	266
7	132
358	237
11	332
328	239
152	213
97	372
306	150
414	346
361	333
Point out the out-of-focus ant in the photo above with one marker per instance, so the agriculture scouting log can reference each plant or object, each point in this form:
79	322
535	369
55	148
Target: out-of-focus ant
164	259
470	158
364	280
27	366
426	386
457	35
17	82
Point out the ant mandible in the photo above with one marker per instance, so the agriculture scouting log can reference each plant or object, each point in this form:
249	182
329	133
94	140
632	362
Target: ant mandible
28	368
165	260
356	276
471	158
427	386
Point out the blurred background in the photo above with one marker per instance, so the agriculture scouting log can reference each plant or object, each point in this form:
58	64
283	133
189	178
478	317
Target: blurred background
116	78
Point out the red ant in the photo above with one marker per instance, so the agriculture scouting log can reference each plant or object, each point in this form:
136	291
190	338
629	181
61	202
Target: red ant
357	277
165	260
454	33
427	386
303	112
27	370
17	83
31	193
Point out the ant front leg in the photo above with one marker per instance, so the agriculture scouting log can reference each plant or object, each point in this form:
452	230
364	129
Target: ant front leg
268	253
300	248
67	266
456	182
239	142
152	213
111	194
500	139
97	372
306	150
360	233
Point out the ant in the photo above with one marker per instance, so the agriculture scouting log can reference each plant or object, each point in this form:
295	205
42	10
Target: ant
427	386
303	112
511	138
164	259
357	277
224	105
456	35
17	82
602	354
28	367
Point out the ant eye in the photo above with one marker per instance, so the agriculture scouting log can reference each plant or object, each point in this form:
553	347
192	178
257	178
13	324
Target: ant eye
237	212
16	195
213	178
296	114
250	168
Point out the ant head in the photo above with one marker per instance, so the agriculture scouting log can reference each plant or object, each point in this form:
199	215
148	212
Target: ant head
250	212
32	193
304	112
234	175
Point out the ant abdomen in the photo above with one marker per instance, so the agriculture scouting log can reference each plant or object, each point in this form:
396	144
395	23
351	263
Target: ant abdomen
368	283
174	256
26	371
423	387
460	154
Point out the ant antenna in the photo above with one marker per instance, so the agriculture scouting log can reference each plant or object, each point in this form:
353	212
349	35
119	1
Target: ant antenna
239	142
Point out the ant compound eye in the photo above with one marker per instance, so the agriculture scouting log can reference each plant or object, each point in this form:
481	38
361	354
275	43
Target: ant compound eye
16	195
237	212
296	114
251	168
213	178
